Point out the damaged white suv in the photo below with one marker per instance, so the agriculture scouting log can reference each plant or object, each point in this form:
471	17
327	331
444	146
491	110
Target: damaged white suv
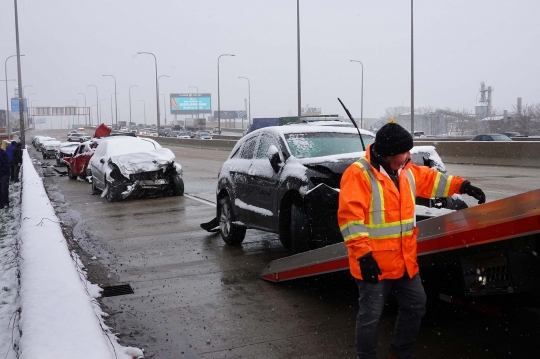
125	166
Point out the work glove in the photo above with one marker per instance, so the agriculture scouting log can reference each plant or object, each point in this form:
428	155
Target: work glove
472	191
369	268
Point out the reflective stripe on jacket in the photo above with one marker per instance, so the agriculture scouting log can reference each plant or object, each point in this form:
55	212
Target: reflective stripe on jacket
374	216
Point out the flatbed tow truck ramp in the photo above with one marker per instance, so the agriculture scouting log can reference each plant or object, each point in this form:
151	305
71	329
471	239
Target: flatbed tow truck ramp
487	249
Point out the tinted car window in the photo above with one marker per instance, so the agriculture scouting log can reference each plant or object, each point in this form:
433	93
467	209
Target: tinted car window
318	144
501	138
249	148
264	144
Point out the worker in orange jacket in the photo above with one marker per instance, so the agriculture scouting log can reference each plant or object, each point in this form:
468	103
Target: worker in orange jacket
377	220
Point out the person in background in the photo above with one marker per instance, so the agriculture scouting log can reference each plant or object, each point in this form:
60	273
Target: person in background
17	162
9	150
4	179
376	216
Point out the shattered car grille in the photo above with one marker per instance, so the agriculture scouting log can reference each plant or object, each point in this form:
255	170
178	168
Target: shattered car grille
147	176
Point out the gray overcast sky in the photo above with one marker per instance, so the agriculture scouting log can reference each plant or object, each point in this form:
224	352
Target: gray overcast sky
69	44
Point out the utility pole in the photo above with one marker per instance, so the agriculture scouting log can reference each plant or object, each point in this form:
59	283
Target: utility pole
412	68
21	100
298	56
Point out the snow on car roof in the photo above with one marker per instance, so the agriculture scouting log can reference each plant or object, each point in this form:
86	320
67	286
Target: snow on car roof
302	128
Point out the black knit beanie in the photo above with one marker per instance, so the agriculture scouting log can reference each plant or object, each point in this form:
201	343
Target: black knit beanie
392	139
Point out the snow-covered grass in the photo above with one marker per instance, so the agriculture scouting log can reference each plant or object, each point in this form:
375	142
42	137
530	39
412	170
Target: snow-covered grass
59	317
9	286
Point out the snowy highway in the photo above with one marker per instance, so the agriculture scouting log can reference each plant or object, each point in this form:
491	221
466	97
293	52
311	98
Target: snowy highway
195	297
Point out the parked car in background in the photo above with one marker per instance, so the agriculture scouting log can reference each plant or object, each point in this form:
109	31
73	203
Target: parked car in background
491	137
152	133
203	135
72	132
216	131
49	147
78	137
126	167
186	134
513	134
77	164
286	180
65	151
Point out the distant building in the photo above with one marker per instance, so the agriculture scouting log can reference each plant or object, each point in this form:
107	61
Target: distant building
431	124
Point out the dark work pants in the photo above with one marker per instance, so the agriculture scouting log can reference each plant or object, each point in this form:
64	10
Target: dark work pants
12	171
412	307
4	190
15	168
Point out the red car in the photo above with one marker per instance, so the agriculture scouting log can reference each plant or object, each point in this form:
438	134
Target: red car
78	163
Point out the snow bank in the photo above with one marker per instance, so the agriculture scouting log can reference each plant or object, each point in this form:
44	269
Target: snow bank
59	315
9	300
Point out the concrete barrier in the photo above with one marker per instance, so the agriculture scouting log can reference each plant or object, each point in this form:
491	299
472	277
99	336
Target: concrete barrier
515	153
523	152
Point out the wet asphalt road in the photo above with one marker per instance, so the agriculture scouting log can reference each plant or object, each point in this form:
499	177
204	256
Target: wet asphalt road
195	297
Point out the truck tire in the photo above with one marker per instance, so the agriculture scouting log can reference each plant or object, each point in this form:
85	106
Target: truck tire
230	233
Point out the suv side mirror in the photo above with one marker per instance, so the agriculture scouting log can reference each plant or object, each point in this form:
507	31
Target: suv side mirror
274	158
102	160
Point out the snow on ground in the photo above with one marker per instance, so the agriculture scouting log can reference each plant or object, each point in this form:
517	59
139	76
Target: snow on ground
60	317
9	287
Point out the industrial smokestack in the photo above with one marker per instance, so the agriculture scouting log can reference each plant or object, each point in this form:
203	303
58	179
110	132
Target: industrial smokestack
519	106
489	90
482	92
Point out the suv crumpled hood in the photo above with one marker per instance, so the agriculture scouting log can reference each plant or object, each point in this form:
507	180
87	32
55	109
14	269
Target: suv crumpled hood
337	167
148	161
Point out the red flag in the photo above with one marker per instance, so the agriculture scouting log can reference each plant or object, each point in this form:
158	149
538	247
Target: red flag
102	131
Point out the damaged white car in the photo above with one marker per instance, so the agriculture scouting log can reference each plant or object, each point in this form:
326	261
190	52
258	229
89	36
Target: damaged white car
124	166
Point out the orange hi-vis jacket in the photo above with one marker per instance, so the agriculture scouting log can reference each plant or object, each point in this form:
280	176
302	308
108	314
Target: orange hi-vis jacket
374	216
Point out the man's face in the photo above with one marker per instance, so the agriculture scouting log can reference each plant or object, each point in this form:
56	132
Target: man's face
399	161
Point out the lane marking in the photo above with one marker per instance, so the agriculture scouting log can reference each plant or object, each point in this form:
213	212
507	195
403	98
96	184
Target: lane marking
202	200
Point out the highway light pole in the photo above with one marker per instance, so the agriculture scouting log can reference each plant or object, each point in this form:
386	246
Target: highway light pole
412	67
130	100
98	114
157	88
361	95
218	99
144	104
100	107
85	122
249	99
115	99
195	87
116	111
164	109
8	125
76	110
165	115
32	105
21	93
28	104
21	100
298	57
